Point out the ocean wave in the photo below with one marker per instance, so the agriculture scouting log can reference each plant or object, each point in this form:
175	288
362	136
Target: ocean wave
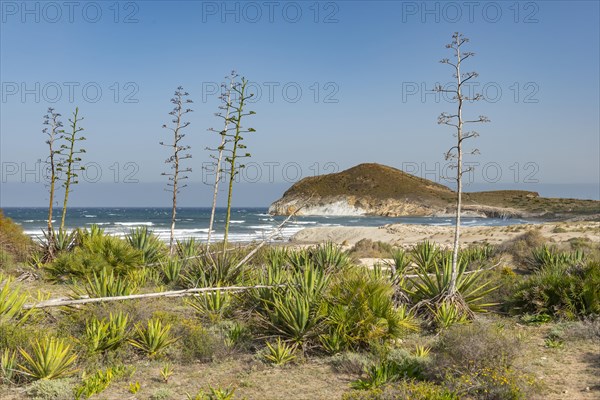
241	221
267	226
89	216
134	223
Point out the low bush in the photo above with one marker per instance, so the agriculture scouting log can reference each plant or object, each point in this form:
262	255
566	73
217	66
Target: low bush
197	343
57	389
409	390
366	248
360	311
95	253
478	359
473	347
520	246
561	291
15	246
351	363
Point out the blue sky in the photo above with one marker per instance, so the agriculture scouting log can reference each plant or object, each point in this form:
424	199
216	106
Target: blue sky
337	83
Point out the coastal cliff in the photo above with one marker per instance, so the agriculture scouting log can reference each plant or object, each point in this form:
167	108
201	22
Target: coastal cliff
375	189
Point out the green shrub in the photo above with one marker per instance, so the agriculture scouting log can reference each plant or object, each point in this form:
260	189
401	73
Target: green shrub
95	253
188	248
8	366
478	359
15	246
95	383
327	257
360	311
493	383
330	257
425	254
276	257
13	336
560	290
213	306
400	262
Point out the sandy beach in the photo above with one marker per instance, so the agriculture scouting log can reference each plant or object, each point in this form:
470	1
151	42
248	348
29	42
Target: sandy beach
405	235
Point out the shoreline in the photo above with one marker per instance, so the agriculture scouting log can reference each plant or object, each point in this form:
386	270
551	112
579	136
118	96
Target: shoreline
405	235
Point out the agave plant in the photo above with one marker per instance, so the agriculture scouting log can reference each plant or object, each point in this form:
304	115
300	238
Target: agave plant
171	270
296	313
51	358
213	393
188	248
102	335
107	284
277	257
550	256
447	314
8	364
215	269
143	239
330	257
281	353
430	287
425	254
299	258
377	375
55	242
12	302
153	338
214	305
400	261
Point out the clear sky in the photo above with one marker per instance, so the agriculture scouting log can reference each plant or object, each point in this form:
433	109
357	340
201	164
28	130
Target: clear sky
338	83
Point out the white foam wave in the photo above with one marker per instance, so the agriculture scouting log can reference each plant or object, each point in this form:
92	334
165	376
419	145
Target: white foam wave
134	223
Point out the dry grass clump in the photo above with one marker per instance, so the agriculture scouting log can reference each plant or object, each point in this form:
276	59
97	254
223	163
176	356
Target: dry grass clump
520	247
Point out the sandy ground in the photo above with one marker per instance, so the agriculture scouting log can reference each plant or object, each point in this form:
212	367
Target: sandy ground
407	234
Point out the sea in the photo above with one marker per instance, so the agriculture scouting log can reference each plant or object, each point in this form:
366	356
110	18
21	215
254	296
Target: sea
247	224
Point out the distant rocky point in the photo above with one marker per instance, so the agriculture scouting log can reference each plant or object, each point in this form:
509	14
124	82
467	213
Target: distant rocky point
375	189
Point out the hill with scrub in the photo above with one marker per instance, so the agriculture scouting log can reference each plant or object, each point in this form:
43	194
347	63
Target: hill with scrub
375	189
